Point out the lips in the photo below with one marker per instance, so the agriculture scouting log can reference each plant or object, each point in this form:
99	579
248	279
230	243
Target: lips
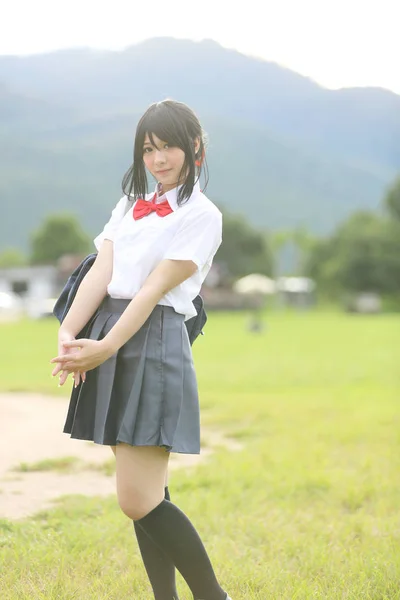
163	172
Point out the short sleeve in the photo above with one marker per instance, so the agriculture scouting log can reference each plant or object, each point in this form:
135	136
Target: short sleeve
197	239
112	225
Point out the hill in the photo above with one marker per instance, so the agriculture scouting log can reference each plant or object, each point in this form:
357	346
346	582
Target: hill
282	149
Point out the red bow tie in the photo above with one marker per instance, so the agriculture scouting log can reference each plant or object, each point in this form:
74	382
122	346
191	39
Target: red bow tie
143	208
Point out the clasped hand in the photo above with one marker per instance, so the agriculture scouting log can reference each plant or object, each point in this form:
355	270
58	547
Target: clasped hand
89	355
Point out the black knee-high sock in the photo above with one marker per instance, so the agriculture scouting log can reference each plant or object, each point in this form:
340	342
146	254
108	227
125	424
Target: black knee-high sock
159	566
172	531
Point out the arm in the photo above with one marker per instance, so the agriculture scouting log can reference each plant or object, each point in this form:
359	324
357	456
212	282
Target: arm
192	247
91	291
93	288
166	276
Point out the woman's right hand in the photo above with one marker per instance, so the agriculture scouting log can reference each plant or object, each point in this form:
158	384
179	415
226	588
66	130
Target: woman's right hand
66	336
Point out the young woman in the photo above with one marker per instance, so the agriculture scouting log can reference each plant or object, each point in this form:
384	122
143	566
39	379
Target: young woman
135	385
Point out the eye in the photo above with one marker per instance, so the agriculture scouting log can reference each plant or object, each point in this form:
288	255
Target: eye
147	150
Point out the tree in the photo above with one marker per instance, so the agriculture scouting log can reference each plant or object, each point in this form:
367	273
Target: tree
244	250
362	255
59	234
12	257
392	200
291	249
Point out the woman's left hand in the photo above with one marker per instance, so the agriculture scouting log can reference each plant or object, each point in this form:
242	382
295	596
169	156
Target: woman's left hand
89	355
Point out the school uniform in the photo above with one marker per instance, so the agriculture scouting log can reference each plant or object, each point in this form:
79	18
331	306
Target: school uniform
146	393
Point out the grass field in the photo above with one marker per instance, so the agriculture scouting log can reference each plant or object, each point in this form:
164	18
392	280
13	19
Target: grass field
309	509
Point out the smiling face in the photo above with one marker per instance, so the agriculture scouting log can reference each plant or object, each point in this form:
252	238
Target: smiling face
163	161
169	144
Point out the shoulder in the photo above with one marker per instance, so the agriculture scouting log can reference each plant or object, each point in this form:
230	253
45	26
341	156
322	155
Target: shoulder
204	209
119	210
201	219
121	204
207	205
111	226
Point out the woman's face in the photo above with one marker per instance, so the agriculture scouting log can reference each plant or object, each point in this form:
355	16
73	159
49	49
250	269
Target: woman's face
163	161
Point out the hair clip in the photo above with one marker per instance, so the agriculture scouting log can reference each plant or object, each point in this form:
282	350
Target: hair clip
199	161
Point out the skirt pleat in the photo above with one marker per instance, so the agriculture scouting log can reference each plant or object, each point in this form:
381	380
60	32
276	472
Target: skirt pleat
146	393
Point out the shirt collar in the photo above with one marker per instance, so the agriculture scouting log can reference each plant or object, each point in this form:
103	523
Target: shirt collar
172	195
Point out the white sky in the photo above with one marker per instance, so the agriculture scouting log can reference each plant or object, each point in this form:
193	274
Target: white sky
338	43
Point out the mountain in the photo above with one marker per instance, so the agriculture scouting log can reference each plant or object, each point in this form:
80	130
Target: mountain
282	150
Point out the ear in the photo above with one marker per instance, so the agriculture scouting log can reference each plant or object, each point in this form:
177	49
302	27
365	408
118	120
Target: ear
196	145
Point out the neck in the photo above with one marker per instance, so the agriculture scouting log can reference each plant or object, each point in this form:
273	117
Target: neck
167	188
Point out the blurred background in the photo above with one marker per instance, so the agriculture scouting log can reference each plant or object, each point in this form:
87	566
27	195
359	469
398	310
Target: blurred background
296	490
302	117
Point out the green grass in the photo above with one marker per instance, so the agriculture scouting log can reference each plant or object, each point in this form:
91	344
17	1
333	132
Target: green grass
66	464
25	353
309	509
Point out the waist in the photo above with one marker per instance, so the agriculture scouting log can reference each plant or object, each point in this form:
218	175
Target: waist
118	306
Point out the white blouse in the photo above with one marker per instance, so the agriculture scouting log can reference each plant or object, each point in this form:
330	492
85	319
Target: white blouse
193	231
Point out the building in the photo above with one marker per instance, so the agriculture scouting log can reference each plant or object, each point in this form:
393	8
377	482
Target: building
36	286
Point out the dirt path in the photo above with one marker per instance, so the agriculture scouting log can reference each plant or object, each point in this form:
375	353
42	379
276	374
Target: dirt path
31	430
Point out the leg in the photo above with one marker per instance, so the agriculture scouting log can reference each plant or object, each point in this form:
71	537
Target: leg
159	567
140	481
141	473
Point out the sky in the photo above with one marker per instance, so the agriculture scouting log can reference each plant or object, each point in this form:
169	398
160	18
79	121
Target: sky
338	43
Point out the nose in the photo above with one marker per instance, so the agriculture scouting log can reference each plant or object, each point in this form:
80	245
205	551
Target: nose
159	157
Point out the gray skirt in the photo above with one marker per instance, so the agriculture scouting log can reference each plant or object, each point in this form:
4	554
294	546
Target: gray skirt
146	393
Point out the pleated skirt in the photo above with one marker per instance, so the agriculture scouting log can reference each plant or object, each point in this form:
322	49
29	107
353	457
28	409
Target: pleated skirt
146	393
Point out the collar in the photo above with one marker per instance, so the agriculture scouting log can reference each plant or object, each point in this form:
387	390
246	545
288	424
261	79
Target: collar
172	195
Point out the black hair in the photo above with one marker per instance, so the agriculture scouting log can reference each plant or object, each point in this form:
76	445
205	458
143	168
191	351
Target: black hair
174	123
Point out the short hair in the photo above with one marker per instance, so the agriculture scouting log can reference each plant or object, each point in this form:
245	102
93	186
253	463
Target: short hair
175	123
